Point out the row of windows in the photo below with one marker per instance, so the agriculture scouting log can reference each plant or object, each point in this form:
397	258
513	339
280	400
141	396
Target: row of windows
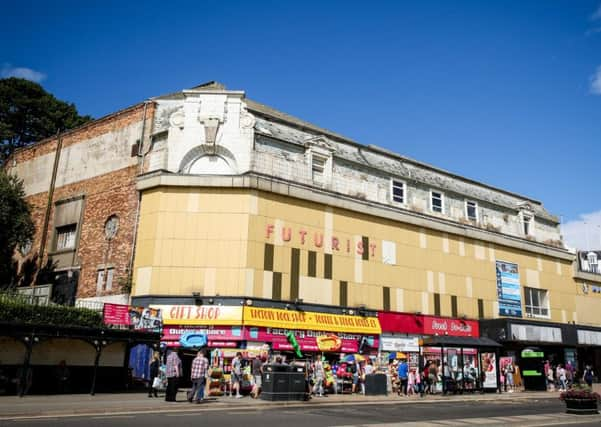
437	200
398	191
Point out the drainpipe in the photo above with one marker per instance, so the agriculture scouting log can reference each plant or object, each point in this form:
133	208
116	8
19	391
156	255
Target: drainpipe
44	235
140	170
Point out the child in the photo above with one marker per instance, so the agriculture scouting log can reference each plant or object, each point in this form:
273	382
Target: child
411	381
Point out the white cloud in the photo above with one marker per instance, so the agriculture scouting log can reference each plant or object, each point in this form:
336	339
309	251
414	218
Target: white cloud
596	20
597	15
583	233
596	82
22	72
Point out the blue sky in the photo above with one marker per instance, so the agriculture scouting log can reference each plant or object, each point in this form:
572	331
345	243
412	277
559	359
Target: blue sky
507	93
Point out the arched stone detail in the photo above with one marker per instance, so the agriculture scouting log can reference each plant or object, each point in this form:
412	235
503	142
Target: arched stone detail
207	150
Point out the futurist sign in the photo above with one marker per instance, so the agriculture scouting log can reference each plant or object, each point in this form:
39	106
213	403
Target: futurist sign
509	292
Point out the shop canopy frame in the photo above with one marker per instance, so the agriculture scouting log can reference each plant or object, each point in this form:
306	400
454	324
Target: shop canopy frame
479	343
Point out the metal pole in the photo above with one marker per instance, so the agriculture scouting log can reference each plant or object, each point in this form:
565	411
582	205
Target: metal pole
26	363
96	360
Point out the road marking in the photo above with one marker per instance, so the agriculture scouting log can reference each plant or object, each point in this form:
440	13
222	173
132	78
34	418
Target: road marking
111	417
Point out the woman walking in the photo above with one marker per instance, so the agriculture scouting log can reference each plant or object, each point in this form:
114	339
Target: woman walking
154	379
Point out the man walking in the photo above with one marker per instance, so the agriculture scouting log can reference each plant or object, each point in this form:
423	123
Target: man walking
173	372
236	374
403	372
198	374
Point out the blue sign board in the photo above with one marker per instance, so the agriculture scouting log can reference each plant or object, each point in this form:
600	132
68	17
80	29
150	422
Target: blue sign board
509	291
193	340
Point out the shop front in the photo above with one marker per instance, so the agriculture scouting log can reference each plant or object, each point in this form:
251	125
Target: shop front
448	347
521	339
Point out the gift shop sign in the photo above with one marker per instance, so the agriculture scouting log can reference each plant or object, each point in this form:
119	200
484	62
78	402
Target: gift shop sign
200	314
317	240
453	327
307	320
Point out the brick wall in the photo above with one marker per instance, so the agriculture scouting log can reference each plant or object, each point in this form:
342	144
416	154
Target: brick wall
112	193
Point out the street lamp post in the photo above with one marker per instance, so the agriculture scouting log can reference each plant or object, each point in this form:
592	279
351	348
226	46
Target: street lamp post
98	345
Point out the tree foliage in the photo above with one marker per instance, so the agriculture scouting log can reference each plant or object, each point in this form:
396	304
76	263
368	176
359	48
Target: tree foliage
28	114
16	225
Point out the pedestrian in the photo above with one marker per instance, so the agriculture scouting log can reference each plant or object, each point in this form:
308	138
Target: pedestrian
318	377
198	375
411	382
588	376
561	375
236	375
173	372
508	372
257	373
153	378
403	372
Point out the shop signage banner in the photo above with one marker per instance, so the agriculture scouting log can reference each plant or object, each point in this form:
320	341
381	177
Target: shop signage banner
453	327
402	323
200	314
217	333
489	368
115	314
307	320
400	344
309	340
536	333
509	292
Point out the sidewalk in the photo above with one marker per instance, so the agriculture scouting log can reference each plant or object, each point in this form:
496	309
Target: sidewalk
127	403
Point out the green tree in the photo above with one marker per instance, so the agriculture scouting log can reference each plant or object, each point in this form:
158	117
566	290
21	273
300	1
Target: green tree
16	225
28	114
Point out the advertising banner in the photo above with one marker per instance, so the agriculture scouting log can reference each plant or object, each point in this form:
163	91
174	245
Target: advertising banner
115	314
400	344
453	327
310	340
489	369
509	292
214	333
200	314
293	319
145	318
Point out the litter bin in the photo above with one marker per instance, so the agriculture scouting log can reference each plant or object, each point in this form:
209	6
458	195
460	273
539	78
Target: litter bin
283	382
375	384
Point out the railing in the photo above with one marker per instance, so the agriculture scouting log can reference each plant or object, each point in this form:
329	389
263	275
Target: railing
90	305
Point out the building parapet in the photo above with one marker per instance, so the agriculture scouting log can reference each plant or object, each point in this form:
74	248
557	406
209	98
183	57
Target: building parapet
292	189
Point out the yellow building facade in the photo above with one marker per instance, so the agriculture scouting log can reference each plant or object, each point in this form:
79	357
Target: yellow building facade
252	243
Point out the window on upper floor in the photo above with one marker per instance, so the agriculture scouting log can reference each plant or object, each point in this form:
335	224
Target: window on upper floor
397	190
536	302
318	168
65	237
436	201
471	210
104	279
527	225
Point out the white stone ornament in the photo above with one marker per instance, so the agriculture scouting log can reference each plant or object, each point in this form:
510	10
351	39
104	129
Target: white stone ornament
111	226
177	119
247	120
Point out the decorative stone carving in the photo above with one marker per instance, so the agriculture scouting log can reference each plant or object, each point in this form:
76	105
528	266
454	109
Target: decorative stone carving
321	143
247	120
211	125
177	119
